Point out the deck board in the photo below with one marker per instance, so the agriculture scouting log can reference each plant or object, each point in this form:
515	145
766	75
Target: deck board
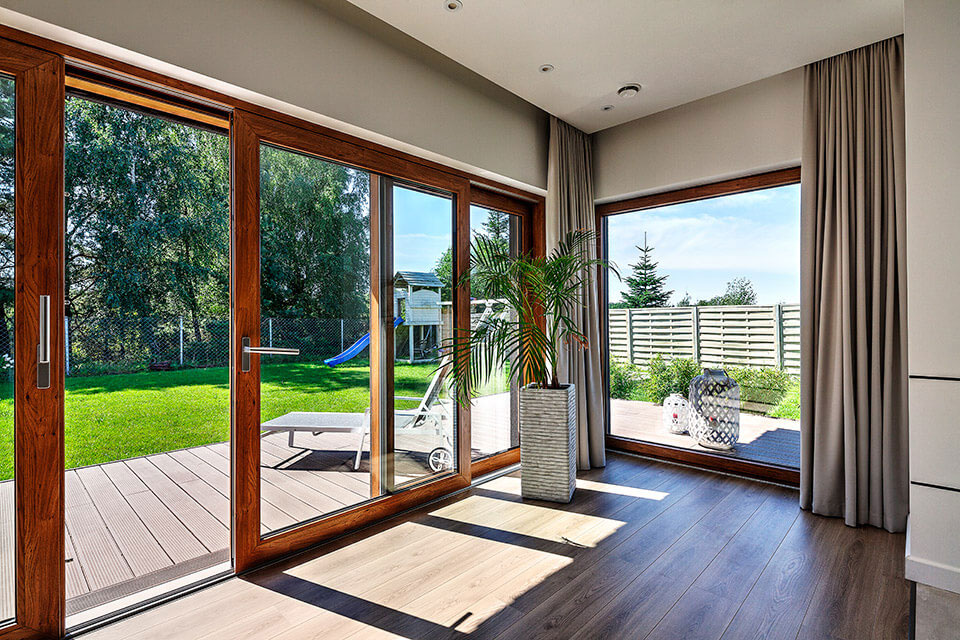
139	548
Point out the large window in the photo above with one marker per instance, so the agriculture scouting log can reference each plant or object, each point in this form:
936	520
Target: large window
315	299
708	284
147	403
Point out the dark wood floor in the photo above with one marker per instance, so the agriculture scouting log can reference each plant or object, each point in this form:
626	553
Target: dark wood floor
645	550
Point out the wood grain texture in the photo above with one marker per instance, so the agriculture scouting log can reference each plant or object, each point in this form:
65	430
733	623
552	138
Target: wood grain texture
645	550
38	439
725	187
245	282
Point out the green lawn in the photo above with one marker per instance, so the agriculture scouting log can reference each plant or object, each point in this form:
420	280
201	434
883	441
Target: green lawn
123	416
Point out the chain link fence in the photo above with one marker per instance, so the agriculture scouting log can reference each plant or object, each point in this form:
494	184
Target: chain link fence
112	344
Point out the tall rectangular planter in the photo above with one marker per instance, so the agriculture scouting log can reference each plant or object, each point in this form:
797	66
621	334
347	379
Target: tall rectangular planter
548	443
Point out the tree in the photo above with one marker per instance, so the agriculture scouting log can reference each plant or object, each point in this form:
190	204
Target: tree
739	292
684	301
444	271
644	286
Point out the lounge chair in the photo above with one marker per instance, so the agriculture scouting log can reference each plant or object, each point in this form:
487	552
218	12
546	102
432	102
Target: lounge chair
430	413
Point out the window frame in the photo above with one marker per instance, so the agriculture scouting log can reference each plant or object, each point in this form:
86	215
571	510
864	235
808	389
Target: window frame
703	459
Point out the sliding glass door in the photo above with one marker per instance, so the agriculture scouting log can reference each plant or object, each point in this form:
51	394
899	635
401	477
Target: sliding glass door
341	305
147	413
314	338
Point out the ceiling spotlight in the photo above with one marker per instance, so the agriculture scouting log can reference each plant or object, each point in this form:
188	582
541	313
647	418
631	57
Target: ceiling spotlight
546	68
606	107
628	90
453	5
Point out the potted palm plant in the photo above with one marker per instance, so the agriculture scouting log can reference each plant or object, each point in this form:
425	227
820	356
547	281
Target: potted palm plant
544	296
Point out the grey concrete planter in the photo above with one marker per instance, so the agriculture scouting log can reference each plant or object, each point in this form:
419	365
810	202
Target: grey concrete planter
548	443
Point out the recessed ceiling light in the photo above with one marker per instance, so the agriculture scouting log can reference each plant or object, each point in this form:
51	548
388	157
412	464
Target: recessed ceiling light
606	107
453	5
546	68
628	90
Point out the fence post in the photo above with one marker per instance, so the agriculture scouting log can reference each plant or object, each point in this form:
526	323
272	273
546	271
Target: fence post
270	330
695	330
341	335
66	344
630	336
778	335
181	341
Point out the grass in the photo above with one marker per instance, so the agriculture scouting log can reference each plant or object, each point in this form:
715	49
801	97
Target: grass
114	417
789	405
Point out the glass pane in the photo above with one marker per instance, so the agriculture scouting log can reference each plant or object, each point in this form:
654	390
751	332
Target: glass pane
708	284
7	509
315	297
424	423
494	418
147	412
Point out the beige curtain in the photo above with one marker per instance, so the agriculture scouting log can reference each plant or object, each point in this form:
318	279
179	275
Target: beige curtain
853	412
570	207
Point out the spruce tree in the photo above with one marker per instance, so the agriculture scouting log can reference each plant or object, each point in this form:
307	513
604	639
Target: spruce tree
644	286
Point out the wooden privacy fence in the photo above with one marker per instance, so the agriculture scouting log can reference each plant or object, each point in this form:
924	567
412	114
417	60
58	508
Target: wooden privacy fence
734	336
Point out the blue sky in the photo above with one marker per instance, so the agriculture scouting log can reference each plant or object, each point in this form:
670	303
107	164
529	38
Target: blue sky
703	245
422	228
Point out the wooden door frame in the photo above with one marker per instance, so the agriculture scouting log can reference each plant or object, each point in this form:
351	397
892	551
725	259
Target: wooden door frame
38	413
713	461
248	131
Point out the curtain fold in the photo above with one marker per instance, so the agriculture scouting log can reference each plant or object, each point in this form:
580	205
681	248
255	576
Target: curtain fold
569	207
853	413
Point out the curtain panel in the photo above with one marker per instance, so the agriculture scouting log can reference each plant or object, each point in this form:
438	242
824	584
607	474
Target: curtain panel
569	207
853	412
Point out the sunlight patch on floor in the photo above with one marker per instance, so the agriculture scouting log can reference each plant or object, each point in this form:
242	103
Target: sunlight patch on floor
633	492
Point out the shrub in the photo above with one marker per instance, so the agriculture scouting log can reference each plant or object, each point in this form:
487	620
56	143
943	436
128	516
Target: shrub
764	386
624	379
664	378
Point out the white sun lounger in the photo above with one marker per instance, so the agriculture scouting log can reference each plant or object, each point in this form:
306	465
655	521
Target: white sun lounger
430	412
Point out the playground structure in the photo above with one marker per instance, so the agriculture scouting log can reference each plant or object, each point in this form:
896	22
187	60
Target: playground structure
416	299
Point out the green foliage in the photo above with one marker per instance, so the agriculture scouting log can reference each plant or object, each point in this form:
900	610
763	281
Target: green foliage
625	379
644	286
739	292
789	405
764	386
664	378
495	227
552	286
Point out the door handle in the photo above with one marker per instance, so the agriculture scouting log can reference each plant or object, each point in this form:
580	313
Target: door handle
43	348
263	351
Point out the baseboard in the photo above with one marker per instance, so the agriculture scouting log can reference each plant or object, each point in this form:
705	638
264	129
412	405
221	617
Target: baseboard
932	573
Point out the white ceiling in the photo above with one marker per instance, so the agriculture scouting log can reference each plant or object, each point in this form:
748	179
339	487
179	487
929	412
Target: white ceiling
679	50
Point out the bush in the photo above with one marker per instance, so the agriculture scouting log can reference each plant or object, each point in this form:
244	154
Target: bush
664	378
624	379
763	386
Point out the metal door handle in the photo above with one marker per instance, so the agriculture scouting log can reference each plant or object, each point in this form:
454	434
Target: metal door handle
43	348
263	351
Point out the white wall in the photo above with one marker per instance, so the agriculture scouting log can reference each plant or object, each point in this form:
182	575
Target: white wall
931	69
746	130
339	65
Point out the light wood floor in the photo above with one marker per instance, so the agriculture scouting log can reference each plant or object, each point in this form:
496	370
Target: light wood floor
645	550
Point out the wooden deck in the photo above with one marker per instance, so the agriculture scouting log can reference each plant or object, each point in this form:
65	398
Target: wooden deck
762	439
134	524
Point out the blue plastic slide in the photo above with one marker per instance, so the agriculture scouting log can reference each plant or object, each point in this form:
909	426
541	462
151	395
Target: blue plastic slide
355	348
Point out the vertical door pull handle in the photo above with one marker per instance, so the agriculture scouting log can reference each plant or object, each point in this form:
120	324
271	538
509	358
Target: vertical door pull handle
43	348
